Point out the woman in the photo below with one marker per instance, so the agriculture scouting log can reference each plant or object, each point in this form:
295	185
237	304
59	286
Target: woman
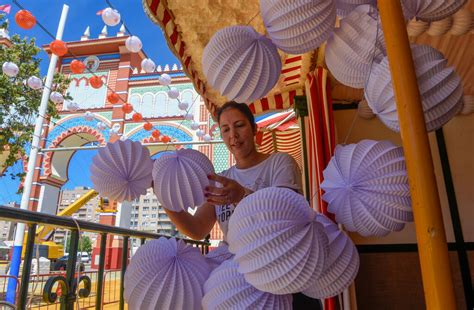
252	171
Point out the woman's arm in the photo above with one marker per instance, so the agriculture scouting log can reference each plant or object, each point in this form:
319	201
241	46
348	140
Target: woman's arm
195	226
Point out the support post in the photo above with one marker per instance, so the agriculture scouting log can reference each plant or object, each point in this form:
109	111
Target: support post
123	269
432	248
100	272
25	274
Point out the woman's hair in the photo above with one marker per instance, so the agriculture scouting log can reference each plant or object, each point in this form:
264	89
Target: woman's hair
242	107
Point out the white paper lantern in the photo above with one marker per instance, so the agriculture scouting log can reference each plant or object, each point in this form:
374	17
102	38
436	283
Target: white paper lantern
183	105
34	82
366	186
101	126
188	116
148	65
241	64
173	93
10	69
133	44
226	289
165	274
111	17
207	137
440	88
72	106
431	10
298	26
354	46
89	116
164	79
200	133
56	97
194	125
279	245
344	7
123	138
342	264
115	128
217	256
121	171
180	178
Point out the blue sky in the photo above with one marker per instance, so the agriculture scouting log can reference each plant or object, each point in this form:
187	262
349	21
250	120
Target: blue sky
82	13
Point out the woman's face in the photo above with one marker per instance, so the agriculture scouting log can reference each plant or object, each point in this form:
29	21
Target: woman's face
237	133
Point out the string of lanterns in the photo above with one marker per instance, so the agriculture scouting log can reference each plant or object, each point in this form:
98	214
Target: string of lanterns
111	17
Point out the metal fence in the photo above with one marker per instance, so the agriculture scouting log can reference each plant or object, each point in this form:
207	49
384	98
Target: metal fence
58	289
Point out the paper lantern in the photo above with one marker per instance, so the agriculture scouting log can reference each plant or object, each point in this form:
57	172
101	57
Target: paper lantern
164	79
133	44
344	7
430	10
122	170
194	125
89	116
72	106
123	138
58	48
218	255
35	82
342	263
200	133
137	117
207	137
366	186
180	178
147	126
56	97
127	108
115	128
156	133
468	105
298	26
416	28
364	111
173	93
188	116
10	69
440	89
440	27
111	17
148	65
24	19
226	288
288	251
165	139
462	22
165	274
183	105
77	66
354	46
113	98
241	64
96	82
101	126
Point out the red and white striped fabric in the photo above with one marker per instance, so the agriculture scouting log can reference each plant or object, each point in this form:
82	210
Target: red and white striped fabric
320	138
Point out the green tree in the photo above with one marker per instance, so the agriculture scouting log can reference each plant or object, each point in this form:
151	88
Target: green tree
18	103
85	244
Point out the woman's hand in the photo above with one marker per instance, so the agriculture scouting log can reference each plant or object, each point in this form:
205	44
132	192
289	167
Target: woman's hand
230	192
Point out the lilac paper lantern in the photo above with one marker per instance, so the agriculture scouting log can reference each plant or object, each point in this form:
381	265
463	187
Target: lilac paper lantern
34	82
121	170
10	69
431	10
218	255
89	116
72	106
440	89
183	105
165	274
344	7
173	93
285	254
194	125
133	44
241	64
200	133
298	26
148	65
366	187
56	97
207	137
188	116
180	178
227	288
164	79
101	126
342	264
354	46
